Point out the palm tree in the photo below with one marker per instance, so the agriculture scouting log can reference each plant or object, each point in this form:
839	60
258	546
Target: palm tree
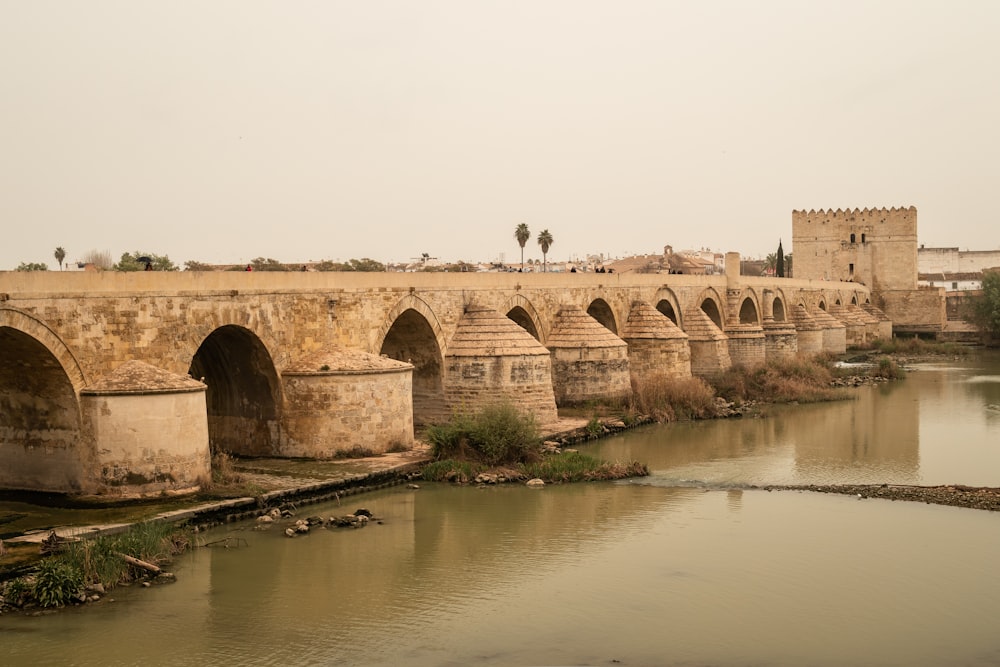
521	234
60	255
544	240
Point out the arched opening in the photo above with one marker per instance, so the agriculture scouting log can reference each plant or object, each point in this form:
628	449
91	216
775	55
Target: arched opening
522	319
778	310
837	302
243	395
411	339
748	312
601	311
822	305
39	418
667	309
709	308
854	300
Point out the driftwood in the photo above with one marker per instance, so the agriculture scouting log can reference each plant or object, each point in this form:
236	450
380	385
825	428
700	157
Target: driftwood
140	563
54	544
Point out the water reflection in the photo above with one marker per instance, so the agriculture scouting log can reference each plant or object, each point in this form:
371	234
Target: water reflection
936	427
646	573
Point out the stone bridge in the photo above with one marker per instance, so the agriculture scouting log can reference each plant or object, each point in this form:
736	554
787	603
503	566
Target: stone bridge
123	383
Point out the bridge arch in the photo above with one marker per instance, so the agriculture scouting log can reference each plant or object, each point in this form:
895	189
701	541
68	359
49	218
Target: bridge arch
26	323
414	335
244	395
525	315
711	304
40	421
750	311
602	312
667	303
778	308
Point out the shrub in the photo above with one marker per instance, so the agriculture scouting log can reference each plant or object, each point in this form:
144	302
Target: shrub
57	583
449	470
886	367
781	381
99	559
499	433
667	399
594	427
223	470
576	467
17	591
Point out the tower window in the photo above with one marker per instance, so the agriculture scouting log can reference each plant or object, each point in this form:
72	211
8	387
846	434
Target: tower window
852	238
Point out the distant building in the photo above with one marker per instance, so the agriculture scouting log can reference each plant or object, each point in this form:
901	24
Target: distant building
877	248
955	261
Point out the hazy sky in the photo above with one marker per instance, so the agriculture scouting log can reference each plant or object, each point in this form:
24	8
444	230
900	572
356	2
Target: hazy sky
224	131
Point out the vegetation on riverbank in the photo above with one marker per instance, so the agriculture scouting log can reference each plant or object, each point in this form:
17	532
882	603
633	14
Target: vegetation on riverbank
83	570
501	443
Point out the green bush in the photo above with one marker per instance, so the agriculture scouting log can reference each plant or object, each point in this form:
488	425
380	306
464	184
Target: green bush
886	367
450	470
100	559
577	467
57	583
499	433
17	591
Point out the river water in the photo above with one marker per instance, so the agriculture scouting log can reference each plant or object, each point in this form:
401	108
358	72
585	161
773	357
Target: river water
681	568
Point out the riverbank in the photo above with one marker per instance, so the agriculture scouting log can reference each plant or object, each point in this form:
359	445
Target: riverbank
969	497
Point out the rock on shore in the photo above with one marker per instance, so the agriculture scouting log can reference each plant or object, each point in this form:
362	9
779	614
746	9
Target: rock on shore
972	497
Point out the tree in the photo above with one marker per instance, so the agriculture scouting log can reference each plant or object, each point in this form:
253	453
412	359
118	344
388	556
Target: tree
770	263
138	261
193	265
780	262
521	235
60	255
32	266
365	264
984	309
267	264
545	240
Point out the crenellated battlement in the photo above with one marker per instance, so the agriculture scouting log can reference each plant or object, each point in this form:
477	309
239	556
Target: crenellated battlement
864	215
874	246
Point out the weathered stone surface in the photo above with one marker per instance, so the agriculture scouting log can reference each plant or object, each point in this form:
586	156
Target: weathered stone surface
588	361
655	344
490	358
248	336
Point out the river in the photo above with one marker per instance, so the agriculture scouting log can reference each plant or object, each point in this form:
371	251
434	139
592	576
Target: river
686	567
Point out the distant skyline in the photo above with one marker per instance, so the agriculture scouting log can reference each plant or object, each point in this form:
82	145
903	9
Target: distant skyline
227	130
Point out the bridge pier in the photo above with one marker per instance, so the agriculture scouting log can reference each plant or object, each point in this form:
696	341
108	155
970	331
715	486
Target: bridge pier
346	402
491	358
709	346
147	432
656	346
588	361
809	333
834	331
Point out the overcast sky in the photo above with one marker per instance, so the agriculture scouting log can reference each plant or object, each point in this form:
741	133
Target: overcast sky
224	131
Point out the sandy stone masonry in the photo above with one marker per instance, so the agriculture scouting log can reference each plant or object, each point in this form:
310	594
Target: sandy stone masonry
322	364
